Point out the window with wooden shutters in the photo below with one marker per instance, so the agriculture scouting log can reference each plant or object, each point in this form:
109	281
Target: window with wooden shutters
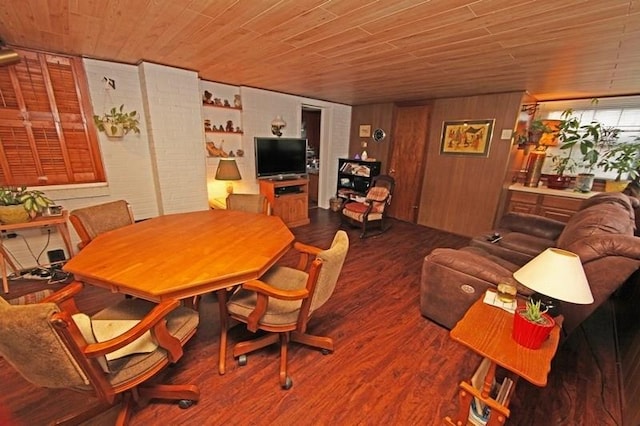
47	136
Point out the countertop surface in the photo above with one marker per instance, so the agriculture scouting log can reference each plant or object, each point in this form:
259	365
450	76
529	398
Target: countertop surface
569	192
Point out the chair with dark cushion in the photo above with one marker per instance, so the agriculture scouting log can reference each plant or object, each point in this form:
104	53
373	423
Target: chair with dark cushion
52	345
284	299
89	222
373	209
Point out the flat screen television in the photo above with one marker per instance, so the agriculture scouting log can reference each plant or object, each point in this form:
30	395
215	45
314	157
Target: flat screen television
280	158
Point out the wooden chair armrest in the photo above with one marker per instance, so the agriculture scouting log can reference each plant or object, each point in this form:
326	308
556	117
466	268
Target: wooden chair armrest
153	321
263	291
264	288
65	297
305	252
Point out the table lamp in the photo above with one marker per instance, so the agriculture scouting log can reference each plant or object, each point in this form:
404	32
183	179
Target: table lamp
228	170
558	274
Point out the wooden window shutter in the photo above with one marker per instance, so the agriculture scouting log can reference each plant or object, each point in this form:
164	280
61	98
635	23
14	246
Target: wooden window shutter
47	135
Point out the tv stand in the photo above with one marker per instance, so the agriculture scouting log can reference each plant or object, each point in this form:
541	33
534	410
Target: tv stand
289	199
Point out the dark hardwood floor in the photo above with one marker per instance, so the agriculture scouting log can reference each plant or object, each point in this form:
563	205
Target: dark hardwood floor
391	365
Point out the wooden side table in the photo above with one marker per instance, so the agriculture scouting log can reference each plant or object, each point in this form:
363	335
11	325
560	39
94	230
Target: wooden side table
486	330
60	222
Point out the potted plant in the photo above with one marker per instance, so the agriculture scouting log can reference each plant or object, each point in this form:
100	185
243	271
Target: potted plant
561	164
531	325
537	128
593	140
117	123
623	158
17	204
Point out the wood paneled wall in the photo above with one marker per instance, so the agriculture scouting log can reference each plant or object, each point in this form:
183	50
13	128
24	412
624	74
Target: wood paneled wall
461	194
377	116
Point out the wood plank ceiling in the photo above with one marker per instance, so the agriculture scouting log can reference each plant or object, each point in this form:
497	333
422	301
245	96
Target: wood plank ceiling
355	51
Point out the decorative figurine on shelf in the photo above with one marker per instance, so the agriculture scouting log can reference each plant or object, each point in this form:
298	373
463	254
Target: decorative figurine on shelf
240	152
229	127
226	103
238	130
207	97
214	151
220	129
207	125
231	154
237	102
217	101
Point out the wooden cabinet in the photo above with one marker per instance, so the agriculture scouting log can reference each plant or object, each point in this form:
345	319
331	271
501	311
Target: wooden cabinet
554	204
354	177
313	187
289	200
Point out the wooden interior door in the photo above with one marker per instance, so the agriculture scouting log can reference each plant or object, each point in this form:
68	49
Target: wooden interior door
408	158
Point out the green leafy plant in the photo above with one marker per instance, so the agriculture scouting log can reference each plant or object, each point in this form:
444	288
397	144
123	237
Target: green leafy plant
563	163
533	312
593	140
118	117
536	129
33	201
622	158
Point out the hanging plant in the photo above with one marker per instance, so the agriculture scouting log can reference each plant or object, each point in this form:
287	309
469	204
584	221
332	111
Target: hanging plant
117	122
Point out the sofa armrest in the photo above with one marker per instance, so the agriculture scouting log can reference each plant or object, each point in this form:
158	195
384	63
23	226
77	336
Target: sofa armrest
531	224
599	246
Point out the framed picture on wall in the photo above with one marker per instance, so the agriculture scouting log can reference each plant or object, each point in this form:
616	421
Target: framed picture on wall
466	137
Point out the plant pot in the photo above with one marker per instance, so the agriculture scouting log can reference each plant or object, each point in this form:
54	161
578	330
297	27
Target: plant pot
615	185
584	182
13	214
531	334
114	130
558	182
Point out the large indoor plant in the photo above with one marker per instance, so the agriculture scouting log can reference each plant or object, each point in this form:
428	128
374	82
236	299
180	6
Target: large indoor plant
17	204
117	123
624	159
531	325
593	140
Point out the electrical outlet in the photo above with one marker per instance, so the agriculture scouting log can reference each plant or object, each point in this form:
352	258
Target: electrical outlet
7	235
48	229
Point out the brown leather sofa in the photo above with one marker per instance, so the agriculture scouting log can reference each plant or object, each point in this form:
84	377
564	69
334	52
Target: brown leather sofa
601	233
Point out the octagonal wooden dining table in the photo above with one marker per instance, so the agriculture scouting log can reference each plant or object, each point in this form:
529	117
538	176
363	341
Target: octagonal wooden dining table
178	256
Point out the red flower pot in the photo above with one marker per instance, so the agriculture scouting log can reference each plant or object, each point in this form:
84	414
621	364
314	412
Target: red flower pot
531	334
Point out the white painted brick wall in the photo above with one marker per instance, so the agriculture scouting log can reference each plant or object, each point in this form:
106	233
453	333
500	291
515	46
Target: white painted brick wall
176	137
164	169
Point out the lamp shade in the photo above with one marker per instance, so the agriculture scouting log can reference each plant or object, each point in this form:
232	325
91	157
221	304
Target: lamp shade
558	274
228	170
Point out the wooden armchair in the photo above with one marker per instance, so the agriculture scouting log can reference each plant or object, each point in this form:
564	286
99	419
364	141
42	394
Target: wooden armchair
252	203
89	222
283	300
373	209
52	345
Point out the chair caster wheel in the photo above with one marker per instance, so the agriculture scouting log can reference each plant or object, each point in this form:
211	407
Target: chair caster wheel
325	351
185	403
287	383
242	360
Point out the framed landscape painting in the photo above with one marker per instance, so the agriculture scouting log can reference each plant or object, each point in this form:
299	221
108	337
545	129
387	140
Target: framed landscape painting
466	137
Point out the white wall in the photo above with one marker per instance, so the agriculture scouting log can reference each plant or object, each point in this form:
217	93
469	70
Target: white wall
164	169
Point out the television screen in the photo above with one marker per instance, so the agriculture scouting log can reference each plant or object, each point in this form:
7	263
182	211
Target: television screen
280	158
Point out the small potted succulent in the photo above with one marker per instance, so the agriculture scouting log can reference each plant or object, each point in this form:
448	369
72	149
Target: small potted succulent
116	123
17	204
531	325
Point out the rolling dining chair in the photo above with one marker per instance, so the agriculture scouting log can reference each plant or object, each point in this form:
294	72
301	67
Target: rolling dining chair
252	203
52	345
284	299
89	222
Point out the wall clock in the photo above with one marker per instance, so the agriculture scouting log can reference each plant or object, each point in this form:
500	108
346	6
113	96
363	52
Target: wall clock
378	135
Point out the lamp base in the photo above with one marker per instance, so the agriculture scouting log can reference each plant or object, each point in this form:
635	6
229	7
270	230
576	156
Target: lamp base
229	188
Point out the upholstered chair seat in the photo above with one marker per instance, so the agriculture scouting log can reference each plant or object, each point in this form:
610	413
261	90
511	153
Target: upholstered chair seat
371	210
284	299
